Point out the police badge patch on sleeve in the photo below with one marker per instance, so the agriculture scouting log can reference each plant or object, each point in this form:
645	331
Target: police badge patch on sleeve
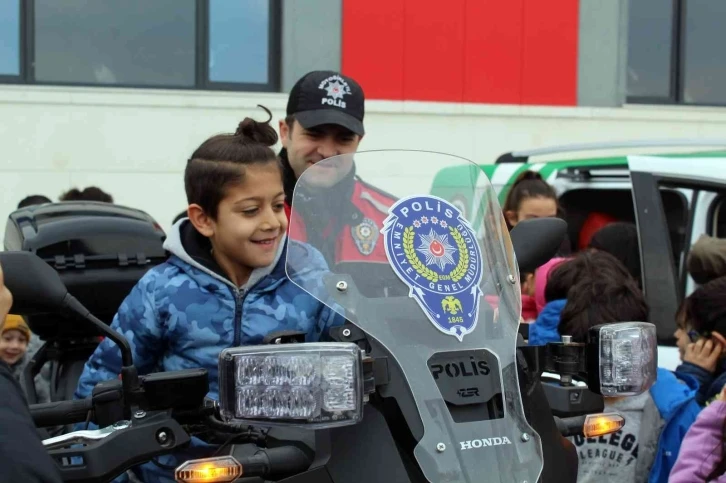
365	236
433	249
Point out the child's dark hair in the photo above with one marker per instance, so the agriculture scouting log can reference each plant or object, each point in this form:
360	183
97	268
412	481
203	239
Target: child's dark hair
585	264
92	193
593	302
33	200
705	309
529	184
220	160
604	292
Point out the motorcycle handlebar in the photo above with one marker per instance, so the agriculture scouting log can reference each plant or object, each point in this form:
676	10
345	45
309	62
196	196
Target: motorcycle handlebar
61	412
571	426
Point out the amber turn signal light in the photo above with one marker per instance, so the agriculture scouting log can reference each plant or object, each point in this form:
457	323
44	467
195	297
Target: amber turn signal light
209	470
601	424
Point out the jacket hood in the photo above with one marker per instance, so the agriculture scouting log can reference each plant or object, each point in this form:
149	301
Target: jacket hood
194	249
540	281
671	389
546	328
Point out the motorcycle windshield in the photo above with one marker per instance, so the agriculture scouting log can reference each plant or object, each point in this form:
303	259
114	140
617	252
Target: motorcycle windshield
412	248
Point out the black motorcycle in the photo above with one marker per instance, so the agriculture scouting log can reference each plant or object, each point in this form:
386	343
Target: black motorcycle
428	381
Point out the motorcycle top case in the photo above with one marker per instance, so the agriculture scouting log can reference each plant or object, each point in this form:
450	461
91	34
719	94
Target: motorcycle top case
100	250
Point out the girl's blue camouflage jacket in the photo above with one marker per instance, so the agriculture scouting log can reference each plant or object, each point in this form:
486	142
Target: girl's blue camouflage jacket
183	312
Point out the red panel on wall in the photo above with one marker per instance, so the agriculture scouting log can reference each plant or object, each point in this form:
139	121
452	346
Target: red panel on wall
489	51
493	60
372	50
434	50
549	65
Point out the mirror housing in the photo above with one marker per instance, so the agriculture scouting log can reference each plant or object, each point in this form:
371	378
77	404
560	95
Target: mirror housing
536	241
622	358
37	288
618	359
35	285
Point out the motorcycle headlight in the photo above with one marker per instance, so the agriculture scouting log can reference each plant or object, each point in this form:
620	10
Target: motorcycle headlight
622	358
313	385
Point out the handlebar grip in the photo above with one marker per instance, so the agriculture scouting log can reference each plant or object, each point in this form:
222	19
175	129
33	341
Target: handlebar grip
276	462
571	426
287	460
61	412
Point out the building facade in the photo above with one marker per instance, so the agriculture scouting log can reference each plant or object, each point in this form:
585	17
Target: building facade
118	94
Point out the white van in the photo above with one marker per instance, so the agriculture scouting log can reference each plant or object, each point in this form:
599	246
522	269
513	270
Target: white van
673	198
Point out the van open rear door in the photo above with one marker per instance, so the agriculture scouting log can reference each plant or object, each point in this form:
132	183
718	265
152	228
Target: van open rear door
663	271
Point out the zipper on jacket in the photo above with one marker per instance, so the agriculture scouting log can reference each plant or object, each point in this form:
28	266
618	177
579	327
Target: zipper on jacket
239	297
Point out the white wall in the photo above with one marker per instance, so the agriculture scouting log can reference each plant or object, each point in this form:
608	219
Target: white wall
134	143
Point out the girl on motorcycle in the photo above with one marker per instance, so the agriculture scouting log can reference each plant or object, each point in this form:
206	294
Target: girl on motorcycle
225	283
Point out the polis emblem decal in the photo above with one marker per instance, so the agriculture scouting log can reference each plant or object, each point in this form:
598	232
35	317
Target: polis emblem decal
433	250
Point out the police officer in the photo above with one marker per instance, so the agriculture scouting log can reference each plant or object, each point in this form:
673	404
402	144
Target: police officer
324	119
22	456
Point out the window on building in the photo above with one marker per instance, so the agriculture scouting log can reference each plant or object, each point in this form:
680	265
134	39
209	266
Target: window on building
675	52
239	54
704	58
650	33
9	38
132	43
187	44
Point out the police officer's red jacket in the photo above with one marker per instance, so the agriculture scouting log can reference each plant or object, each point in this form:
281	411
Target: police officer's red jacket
348	235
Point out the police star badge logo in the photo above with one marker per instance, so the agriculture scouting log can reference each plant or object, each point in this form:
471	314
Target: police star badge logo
335	88
433	250
365	236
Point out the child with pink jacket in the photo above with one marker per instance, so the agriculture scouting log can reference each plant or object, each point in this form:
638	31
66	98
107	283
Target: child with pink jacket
702	456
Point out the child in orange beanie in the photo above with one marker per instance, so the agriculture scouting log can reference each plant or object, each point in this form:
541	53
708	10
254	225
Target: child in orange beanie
14	339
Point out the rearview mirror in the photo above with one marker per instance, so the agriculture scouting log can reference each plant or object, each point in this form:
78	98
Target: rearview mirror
37	288
536	241
622	358
35	285
618	359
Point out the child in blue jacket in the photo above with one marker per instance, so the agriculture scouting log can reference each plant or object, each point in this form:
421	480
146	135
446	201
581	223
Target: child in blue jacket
646	448
700	331
224	284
